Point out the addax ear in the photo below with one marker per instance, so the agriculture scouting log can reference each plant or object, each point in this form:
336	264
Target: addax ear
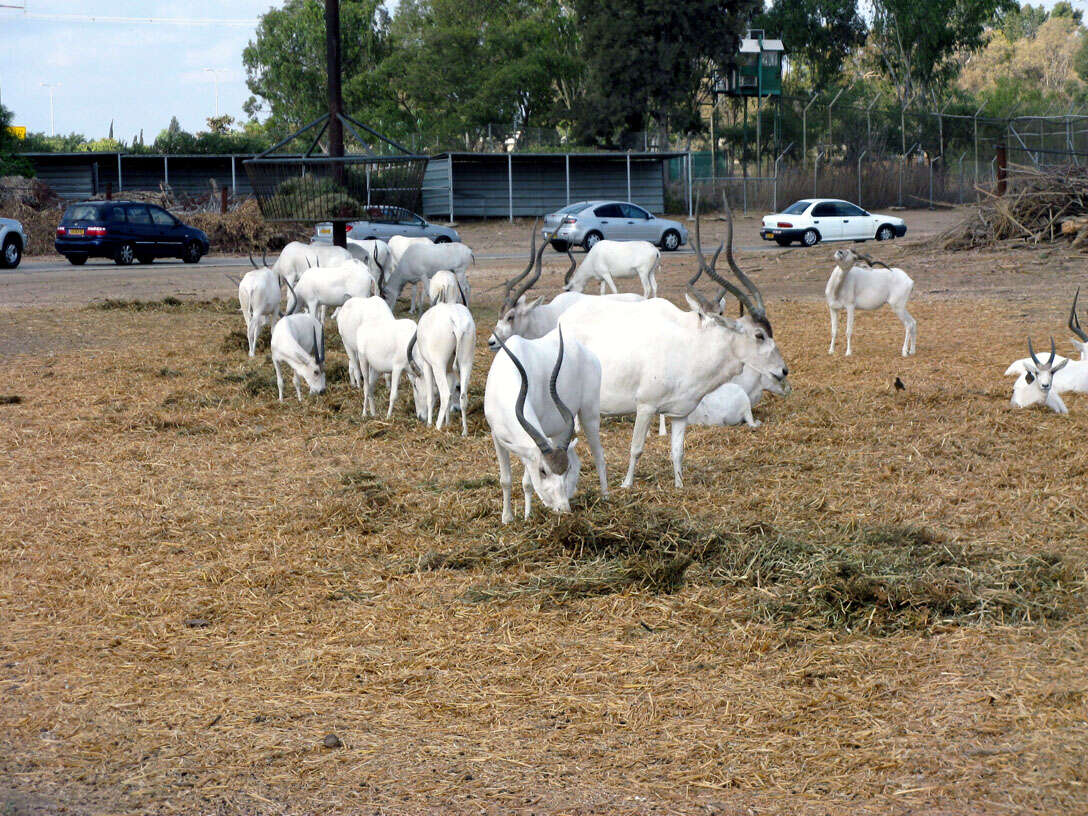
1059	366
532	304
694	304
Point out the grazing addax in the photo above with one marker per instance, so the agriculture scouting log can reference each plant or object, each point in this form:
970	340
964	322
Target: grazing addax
349	318
658	359
608	260
259	300
855	285
383	345
297	257
324	287
446	288
534	390
298	341
420	261
446	342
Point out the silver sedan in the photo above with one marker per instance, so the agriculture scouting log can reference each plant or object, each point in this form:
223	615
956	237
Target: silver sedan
386	221
587	222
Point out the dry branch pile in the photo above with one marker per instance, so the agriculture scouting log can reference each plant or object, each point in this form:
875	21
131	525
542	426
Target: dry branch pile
1037	208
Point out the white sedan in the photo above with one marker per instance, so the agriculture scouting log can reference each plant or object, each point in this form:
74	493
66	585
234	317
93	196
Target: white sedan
828	219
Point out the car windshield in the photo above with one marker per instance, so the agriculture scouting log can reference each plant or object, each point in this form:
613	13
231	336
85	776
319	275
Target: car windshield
797	208
572	208
82	212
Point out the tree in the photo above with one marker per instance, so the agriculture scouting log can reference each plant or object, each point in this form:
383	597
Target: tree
1017	22
285	64
818	34
917	42
220	125
11	164
649	61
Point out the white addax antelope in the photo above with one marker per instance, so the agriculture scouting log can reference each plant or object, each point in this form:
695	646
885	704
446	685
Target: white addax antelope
1039	383
657	359
258	300
608	260
323	287
445	288
397	246
379	254
445	343
383	344
349	318
298	341
733	402
534	390
297	257
855	286
420	261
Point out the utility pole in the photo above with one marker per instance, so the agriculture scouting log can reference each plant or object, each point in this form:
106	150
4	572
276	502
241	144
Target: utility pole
215	76
336	107
52	124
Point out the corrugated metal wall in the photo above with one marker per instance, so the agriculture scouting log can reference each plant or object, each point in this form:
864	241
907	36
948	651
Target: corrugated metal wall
481	183
72	175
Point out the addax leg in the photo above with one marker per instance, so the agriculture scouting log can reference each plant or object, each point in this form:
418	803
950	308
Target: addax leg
849	330
505	479
279	377
911	330
643	417
661	425
394	384
679	430
834	327
592	427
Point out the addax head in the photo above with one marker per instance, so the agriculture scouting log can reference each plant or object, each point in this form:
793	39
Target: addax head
513	320
1040	374
554	469
314	369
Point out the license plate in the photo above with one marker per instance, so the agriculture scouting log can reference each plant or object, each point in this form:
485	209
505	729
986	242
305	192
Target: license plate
324	230
768	234
75	232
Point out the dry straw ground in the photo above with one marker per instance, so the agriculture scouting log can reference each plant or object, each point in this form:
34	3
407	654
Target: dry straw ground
872	604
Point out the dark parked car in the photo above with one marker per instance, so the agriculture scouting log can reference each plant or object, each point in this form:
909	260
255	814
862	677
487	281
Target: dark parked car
126	231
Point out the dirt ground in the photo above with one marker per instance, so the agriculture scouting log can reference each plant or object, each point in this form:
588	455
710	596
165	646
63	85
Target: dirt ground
200	584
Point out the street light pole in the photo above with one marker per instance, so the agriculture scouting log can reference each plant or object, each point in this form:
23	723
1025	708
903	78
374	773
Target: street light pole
52	124
215	76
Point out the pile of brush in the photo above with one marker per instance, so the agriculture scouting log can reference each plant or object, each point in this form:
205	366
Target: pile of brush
1036	208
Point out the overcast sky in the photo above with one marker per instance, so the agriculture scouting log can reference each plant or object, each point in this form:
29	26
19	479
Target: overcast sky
137	74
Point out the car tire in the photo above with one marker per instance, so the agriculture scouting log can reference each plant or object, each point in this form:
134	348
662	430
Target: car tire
885	233
810	238
11	253
442	239
145	259
560	246
591	240
76	260
670	241
192	253
783	242
125	254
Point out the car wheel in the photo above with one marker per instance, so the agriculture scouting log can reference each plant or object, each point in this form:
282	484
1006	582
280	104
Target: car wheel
670	241
591	240
442	239
11	253
810	238
885	233
145	259
77	260
125	254
783	242
192	253
560	246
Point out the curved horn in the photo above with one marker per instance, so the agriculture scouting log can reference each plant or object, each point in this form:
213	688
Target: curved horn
1053	352
573	266
293	299
757	297
264	262
511	285
1034	359
560	406
319	351
519	406
412	345
1074	321
457	280
253	261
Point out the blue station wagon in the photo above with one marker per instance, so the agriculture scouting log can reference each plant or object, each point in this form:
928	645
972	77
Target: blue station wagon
126	231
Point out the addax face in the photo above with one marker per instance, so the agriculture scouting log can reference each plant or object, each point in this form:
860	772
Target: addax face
554	477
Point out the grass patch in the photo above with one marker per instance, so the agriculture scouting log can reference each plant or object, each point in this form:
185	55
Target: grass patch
167	304
368	485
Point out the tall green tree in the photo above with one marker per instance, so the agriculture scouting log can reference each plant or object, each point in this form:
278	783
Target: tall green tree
819	35
285	63
11	164
649	61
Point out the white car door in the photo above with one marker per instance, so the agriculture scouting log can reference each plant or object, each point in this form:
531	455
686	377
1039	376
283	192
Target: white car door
856	223
827	221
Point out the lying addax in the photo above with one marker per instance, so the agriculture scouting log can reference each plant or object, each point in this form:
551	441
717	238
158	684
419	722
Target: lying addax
446	342
259	299
608	260
553	381
658	359
855	285
1042	383
299	342
733	402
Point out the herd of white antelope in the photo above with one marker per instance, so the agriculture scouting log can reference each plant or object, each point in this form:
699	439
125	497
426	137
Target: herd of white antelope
560	366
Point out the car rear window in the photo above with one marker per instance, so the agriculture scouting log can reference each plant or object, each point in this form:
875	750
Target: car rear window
83	212
797	208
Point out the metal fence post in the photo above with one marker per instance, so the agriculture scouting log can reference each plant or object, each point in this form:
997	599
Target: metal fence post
234	181
804	132
120	184
860	157
903	168
690	210
774	194
816	169
932	161
962	157
566	164
629	175
450	180
165	171
510	184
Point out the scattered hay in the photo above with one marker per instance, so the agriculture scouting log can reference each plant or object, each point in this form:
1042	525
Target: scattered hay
236	340
1035	209
168	304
